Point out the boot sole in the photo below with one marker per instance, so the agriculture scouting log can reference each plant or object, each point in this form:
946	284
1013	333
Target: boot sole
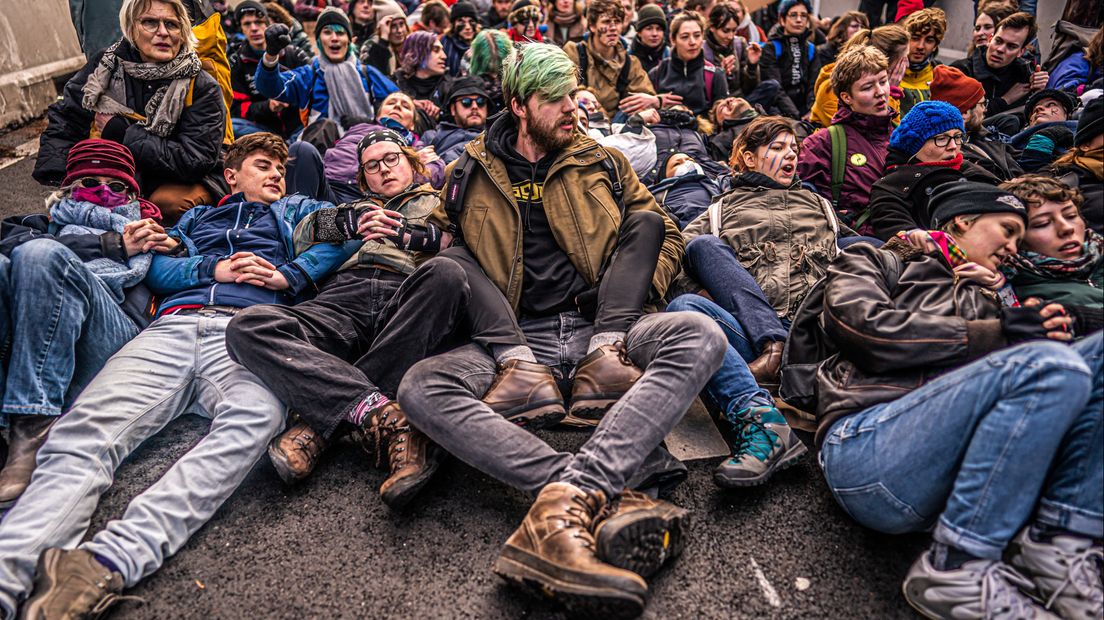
918	607
541	415
283	470
589	601
401	493
588	413
643	543
791	458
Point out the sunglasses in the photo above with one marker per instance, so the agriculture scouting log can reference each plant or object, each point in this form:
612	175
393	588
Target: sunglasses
468	101
116	186
150	24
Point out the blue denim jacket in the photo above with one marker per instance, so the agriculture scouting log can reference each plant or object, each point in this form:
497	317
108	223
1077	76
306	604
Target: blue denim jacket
190	279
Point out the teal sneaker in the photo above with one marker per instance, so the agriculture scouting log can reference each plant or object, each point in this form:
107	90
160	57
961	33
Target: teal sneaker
764	444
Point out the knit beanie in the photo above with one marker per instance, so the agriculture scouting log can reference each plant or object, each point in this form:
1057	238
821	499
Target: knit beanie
249	6
970	198
384	8
648	15
785	6
1067	101
1091	123
955	87
99	157
924	120
333	17
463	9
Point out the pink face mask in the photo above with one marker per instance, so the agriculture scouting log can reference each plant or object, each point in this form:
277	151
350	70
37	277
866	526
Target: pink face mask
100	195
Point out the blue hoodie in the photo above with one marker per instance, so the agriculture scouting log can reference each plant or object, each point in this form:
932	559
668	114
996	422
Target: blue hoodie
214	233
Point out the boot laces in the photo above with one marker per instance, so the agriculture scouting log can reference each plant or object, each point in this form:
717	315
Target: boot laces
1083	573
577	516
752	437
305	443
1001	593
386	429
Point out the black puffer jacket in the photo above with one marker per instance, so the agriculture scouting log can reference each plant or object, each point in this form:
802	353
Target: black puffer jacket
900	200
995	83
186	156
895	337
797	81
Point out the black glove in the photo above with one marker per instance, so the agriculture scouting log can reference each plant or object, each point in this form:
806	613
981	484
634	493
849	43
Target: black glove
1022	324
1060	135
277	37
336	225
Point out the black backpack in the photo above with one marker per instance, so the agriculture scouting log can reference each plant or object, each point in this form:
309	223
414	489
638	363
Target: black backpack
807	344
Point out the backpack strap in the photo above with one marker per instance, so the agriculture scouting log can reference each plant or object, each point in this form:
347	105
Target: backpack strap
708	69
839	161
610	166
714	215
777	48
584	63
623	76
810	51
454	196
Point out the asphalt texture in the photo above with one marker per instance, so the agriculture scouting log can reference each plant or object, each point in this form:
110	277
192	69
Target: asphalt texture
329	548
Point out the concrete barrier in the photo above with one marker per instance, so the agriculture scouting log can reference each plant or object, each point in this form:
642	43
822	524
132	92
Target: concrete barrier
37	44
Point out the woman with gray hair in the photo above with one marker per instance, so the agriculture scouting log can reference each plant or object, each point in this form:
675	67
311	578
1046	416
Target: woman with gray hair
148	92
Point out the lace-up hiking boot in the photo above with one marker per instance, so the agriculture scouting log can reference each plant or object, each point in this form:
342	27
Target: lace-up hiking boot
1067	572
764	444
72	584
981	589
526	394
641	534
600	380
553	554
295	453
412	458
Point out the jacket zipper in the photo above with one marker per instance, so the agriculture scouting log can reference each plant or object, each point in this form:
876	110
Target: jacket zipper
230	243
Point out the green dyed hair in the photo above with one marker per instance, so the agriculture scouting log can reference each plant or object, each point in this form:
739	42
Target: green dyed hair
488	53
538	68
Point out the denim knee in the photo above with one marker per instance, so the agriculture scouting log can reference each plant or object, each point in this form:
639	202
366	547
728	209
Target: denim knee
690	302
703	243
41	256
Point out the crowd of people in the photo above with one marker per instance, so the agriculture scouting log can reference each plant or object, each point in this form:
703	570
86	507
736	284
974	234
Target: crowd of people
440	227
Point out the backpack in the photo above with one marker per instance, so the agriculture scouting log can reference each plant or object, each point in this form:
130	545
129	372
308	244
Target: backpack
622	77
810	49
707	72
807	344
839	168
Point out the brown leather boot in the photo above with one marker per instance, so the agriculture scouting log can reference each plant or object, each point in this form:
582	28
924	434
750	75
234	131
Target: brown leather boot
72	584
526	394
766	367
412	458
601	378
295	453
641	534
553	553
27	433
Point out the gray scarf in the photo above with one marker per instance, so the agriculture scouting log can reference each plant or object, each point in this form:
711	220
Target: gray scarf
105	90
345	90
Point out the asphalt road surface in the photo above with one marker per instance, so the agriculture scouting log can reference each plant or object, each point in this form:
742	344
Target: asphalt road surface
329	548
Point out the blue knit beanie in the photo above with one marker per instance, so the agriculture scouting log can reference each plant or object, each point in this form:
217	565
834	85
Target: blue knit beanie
785	6
924	120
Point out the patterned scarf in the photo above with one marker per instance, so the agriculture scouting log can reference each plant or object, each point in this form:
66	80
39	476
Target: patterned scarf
1050	268
105	90
963	268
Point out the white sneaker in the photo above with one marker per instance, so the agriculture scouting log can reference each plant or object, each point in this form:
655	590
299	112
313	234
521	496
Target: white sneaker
979	589
1067	572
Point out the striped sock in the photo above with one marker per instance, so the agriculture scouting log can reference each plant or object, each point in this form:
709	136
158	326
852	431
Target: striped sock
360	411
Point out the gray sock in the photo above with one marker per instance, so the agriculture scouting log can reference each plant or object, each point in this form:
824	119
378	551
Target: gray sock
603	338
505	353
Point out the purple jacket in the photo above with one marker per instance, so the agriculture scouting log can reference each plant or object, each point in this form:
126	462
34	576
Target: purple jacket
341	159
868	135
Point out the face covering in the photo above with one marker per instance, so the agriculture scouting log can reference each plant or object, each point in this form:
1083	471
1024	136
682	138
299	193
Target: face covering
688	167
100	195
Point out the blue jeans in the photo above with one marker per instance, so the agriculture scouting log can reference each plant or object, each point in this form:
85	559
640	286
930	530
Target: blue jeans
177	365
845	242
978	451
732	387
62	322
714	265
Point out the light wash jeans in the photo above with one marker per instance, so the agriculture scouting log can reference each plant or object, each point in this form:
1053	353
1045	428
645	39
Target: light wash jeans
177	365
981	450
62	322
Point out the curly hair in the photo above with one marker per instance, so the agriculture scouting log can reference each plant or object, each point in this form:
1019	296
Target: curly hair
927	22
1035	189
603	8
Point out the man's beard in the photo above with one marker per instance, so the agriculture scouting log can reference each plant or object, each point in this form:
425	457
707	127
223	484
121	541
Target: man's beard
547	136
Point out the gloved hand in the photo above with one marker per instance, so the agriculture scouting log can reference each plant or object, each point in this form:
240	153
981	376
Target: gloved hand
277	37
1022	324
1060	135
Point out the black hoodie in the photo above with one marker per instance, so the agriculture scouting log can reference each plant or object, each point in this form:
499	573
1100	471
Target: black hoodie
550	282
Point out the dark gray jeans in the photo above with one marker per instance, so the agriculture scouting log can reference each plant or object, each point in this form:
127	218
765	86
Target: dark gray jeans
678	351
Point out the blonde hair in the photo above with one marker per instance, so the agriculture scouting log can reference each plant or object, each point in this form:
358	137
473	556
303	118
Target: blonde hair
128	21
853	64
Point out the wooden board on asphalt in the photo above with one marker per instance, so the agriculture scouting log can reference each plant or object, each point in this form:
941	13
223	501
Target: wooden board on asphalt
696	437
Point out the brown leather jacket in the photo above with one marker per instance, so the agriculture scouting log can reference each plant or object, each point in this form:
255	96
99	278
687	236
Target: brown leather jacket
893	339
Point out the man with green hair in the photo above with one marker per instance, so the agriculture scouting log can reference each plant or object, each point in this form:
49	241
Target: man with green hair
577	248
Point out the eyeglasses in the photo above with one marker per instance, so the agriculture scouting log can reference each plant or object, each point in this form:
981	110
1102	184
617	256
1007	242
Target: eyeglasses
468	101
372	166
797	16
943	140
116	186
152	25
